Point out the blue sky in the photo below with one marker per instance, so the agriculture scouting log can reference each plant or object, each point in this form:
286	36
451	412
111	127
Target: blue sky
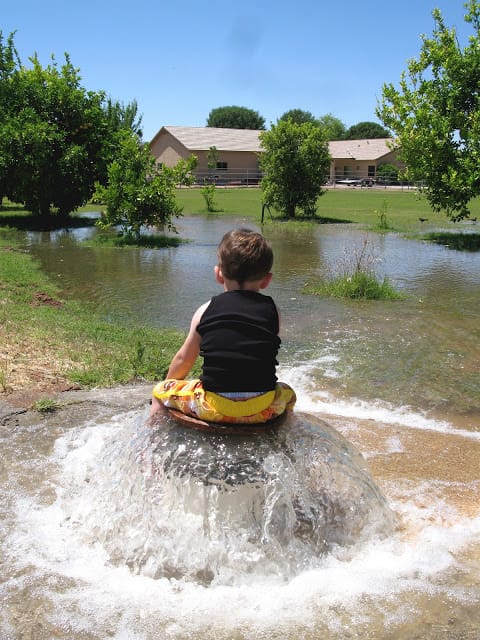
179	59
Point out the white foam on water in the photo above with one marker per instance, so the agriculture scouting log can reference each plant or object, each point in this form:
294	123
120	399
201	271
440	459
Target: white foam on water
315	400
111	600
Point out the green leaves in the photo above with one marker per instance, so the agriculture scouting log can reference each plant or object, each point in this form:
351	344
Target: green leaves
295	162
139	192
56	138
234	117
435	116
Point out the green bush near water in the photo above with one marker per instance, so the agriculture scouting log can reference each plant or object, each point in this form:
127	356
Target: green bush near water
145	241
354	277
361	285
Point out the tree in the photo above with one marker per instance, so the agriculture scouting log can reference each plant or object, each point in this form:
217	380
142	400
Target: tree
387	173
298	116
332	127
138	191
435	114
295	162
235	118
366	130
209	189
9	63
120	116
51	133
56	138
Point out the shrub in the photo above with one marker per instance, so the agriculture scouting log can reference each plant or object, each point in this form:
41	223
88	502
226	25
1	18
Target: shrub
355	278
387	173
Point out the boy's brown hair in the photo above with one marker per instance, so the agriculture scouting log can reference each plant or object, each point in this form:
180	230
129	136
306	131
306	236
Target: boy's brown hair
244	255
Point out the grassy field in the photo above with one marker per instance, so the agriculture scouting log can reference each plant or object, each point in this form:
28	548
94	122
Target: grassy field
84	349
403	209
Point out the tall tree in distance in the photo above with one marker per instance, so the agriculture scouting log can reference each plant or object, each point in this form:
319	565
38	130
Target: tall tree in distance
295	161
366	130
299	116
120	116
332	127
235	118
435	115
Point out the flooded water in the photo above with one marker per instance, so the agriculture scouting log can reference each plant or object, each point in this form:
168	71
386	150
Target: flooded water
400	381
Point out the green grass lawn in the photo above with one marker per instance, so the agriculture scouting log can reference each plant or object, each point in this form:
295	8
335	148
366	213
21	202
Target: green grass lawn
355	205
403	209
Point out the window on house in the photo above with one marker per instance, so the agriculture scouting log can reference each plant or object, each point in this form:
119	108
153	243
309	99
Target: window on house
371	170
222	166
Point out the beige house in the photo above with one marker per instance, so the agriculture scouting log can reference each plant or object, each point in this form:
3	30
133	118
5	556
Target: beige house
352	159
237	152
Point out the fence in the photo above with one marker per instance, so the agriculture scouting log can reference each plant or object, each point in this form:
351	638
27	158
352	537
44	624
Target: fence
253	177
229	177
364	180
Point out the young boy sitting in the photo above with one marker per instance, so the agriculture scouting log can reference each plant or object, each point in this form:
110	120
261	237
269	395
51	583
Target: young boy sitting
236	333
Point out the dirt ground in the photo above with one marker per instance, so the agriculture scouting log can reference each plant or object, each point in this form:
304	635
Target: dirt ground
74	406
29	369
28	374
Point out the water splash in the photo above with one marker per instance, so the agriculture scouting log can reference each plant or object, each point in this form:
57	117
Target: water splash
81	537
217	509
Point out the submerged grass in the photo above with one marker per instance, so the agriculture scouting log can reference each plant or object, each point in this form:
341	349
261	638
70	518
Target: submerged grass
145	241
459	241
358	286
355	278
46	405
47	340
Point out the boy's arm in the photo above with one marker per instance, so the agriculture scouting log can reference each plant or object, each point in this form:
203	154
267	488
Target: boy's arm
185	357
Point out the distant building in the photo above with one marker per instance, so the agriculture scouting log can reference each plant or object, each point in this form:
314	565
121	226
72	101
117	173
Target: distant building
360	158
238	152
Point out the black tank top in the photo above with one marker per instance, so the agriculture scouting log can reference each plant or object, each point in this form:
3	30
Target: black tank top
239	342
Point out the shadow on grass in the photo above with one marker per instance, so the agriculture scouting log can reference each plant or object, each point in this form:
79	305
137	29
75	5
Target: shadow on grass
29	222
458	241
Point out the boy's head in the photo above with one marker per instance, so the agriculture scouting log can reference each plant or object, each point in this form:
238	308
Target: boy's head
244	256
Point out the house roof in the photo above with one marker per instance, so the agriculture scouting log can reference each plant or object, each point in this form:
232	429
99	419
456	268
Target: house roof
202	138
370	149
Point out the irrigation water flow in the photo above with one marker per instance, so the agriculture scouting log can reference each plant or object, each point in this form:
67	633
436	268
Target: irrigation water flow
114	527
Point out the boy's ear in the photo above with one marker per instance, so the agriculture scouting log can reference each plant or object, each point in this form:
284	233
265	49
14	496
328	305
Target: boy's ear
266	281
219	275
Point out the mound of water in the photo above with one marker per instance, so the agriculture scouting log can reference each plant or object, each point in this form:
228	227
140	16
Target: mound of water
178	503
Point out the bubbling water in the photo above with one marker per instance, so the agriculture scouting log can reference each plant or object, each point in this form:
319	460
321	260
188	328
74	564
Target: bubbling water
214	509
